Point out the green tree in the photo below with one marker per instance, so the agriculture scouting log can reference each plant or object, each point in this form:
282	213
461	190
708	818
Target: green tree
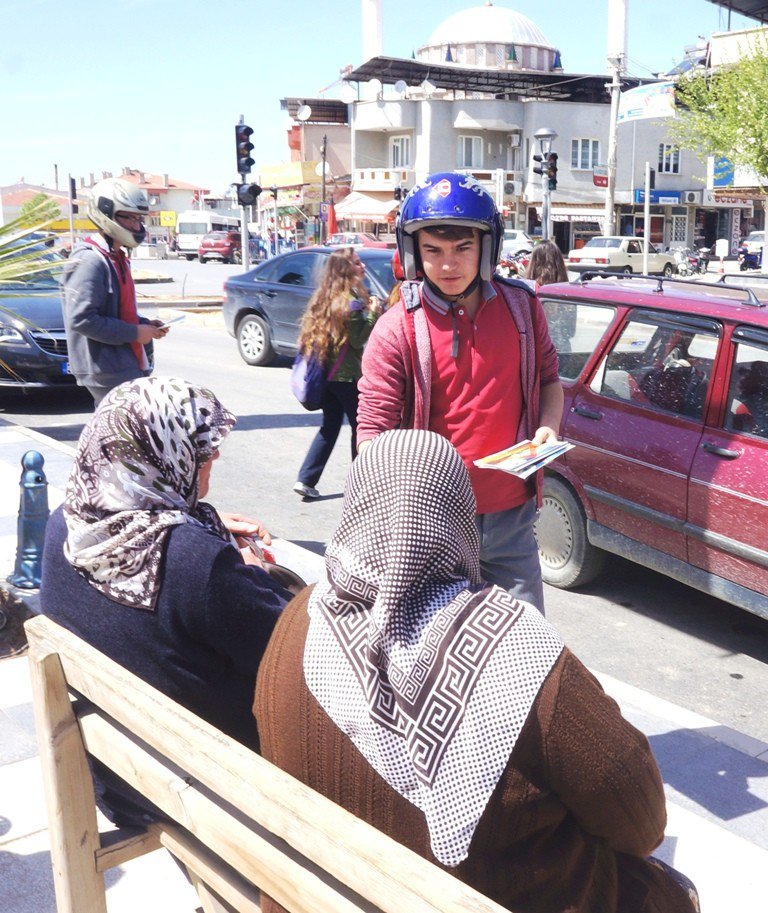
725	112
41	208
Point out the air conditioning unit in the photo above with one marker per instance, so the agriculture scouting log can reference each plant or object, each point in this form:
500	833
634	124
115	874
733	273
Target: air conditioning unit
513	140
691	196
511	189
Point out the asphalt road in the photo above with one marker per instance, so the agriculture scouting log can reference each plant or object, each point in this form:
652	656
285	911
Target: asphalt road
633	624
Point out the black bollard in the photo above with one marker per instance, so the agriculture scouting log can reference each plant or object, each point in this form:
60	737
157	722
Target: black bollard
33	516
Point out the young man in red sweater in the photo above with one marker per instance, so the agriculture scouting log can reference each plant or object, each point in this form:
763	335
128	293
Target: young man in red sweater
468	355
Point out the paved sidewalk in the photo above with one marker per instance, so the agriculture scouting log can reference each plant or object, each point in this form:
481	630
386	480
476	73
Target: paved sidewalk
716	779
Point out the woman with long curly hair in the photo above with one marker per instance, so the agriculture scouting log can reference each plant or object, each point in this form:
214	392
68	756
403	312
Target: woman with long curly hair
336	325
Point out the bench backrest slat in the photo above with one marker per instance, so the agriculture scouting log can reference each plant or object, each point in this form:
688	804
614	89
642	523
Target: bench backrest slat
246	811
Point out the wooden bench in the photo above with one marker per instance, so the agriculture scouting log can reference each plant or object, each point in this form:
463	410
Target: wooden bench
241	823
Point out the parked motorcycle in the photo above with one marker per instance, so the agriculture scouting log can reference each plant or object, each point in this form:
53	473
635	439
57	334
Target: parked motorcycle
703	258
509	267
683	262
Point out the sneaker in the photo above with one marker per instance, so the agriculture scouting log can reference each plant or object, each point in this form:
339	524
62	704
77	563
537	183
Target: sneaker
305	491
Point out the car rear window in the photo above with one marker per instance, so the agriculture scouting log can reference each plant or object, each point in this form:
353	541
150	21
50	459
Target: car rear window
381	269
603	242
747	408
662	365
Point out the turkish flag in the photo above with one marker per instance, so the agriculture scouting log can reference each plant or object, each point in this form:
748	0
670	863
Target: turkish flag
332	226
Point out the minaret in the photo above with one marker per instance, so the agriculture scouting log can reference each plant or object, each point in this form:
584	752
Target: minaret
372	36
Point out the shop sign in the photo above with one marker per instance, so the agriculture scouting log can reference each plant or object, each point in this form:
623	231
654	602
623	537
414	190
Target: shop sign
661	197
723	200
600	176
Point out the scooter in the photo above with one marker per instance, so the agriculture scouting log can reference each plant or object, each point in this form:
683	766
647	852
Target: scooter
683	262
703	258
748	260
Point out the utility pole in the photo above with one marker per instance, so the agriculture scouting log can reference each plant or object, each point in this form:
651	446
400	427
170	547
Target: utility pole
323	153
609	221
617	57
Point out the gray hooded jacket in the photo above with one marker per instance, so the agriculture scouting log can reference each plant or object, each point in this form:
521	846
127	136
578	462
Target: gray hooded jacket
100	353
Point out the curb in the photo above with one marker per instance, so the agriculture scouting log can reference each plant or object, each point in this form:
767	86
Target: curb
685	719
197	304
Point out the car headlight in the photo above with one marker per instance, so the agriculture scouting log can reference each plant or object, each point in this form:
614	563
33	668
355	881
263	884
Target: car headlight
11	335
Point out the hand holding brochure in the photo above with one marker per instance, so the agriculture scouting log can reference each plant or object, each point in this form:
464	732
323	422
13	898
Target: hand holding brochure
177	319
523	459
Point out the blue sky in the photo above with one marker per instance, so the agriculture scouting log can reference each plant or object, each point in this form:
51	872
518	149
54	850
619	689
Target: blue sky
94	85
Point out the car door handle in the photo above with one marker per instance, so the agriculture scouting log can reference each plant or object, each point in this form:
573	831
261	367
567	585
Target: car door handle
587	413
269	294
721	451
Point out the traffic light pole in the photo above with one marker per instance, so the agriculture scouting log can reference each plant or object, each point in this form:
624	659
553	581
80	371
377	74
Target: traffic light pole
245	246
546	198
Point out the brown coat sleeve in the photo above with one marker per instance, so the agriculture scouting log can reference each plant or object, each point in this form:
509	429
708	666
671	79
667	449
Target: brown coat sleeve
600	767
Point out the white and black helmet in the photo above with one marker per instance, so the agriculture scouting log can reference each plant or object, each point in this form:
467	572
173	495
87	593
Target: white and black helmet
114	195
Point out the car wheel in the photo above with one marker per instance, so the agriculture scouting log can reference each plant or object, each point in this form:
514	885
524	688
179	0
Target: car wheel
568	559
627	271
667	271
190	256
253	341
201	259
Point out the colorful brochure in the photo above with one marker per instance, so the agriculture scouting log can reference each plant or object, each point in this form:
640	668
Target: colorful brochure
523	459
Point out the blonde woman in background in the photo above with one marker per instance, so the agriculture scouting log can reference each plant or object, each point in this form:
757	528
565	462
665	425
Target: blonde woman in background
336	325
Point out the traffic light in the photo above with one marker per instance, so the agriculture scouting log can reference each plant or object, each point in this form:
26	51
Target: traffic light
244	146
247	194
542	167
73	195
398	192
552	170
273	191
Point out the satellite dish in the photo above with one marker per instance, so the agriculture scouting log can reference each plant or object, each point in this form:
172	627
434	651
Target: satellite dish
401	87
375	86
348	94
304	113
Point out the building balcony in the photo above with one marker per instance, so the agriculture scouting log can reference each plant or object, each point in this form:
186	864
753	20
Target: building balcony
385	180
495	180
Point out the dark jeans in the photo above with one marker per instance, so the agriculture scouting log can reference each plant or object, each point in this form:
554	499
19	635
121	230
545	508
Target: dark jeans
340	399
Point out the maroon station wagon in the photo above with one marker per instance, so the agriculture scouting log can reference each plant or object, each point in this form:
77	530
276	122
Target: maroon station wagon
666	400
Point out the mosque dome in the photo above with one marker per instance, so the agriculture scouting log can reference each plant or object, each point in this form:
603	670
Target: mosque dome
490	36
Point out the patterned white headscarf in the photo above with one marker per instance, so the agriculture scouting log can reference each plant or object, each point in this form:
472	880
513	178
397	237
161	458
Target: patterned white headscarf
430	676
134	477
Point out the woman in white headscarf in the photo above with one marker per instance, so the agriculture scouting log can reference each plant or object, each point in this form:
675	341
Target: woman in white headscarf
449	714
139	565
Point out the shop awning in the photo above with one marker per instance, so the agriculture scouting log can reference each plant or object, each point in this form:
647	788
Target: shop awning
364	208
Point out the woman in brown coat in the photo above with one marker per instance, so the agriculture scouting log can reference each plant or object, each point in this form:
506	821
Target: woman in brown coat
450	715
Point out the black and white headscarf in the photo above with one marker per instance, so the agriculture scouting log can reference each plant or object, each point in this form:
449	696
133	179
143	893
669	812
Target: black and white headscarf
134	477
431	676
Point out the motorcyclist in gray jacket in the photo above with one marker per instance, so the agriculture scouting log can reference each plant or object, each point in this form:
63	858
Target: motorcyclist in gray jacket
105	335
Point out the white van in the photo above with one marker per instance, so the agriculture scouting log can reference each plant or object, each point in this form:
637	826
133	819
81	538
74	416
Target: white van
193	224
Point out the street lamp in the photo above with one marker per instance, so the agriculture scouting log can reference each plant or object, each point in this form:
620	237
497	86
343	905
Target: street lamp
545	136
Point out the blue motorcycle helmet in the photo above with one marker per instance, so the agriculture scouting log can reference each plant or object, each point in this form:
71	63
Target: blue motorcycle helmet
448	198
